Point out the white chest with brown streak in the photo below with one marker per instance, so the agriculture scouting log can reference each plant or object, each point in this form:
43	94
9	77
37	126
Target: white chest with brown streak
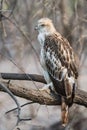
42	60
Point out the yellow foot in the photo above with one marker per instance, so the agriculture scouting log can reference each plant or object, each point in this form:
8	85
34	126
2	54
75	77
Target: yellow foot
68	97
46	90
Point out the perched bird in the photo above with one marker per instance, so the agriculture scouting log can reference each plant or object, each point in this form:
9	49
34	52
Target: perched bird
59	64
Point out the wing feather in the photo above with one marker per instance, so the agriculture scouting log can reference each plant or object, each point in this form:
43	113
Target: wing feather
59	55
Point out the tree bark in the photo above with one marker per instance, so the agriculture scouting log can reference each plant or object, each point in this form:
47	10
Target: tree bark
43	97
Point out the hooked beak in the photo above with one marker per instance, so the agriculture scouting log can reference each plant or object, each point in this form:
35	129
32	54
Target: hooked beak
36	27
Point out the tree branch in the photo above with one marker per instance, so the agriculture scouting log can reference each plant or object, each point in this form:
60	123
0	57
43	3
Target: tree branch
16	76
39	96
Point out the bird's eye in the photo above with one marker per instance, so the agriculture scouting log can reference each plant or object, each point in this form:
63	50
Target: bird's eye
42	25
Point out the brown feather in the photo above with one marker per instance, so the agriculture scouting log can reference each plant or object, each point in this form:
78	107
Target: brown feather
60	48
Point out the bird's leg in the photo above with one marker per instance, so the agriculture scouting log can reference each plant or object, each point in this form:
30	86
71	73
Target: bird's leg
69	84
64	112
68	89
47	87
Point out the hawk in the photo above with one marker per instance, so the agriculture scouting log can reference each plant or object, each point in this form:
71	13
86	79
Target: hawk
58	62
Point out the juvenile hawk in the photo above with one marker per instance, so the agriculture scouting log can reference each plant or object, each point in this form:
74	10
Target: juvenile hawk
58	62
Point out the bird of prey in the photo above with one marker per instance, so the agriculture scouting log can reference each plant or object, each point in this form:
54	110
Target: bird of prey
58	62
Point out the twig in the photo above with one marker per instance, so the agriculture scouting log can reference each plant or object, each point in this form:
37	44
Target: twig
25	119
20	106
2	86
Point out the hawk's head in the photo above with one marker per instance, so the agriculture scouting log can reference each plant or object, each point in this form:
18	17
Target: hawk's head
45	25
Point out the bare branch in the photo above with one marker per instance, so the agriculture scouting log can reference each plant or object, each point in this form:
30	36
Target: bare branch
16	76
43	97
20	106
38	96
2	86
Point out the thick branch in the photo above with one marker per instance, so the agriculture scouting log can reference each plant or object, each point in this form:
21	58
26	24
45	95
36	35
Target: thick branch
43	97
37	96
80	97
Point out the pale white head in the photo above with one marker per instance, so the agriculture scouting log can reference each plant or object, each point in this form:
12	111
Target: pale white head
45	26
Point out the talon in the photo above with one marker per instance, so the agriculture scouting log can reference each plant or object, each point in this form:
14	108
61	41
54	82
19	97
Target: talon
63	125
68	97
44	89
47	87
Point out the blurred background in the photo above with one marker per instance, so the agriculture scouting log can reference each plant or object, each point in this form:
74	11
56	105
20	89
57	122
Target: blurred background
20	50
